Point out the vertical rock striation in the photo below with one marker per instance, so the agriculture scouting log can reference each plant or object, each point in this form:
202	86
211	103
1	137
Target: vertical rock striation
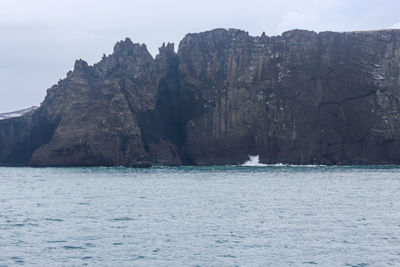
302	97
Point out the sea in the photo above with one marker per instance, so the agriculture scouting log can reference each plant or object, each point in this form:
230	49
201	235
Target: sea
251	215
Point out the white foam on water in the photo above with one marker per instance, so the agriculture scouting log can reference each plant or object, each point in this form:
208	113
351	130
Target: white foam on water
254	161
307	165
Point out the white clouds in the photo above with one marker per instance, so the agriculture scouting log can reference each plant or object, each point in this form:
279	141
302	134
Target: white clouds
49	35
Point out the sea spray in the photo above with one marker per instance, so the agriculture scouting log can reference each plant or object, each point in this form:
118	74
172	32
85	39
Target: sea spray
254	161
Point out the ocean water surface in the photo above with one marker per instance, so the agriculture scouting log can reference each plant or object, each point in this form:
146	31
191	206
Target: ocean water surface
195	216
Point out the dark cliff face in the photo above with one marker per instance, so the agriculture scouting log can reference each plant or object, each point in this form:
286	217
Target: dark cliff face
21	136
99	110
303	97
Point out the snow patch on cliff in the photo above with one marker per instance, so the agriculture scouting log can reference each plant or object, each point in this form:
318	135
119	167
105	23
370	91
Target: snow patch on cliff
17	113
395	26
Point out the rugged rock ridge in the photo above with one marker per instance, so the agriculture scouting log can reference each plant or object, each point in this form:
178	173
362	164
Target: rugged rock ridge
303	97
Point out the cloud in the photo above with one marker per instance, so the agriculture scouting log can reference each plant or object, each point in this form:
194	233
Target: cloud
42	38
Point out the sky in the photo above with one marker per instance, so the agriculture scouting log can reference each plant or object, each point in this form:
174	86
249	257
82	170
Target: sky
40	40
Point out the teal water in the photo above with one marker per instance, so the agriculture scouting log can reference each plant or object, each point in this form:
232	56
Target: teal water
200	216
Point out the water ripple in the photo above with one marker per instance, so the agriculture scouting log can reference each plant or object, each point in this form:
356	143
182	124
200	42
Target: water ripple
200	216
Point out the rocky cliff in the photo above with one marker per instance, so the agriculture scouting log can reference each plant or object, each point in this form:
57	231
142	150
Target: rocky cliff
302	97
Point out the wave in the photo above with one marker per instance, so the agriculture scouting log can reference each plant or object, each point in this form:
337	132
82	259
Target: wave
254	161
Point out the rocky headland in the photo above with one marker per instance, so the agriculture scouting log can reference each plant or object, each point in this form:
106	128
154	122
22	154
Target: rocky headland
300	98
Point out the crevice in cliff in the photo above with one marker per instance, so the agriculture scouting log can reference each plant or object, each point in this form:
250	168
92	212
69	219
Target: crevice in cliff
347	99
175	106
132	110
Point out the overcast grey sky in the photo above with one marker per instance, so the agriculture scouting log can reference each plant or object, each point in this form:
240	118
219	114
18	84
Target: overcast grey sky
41	39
